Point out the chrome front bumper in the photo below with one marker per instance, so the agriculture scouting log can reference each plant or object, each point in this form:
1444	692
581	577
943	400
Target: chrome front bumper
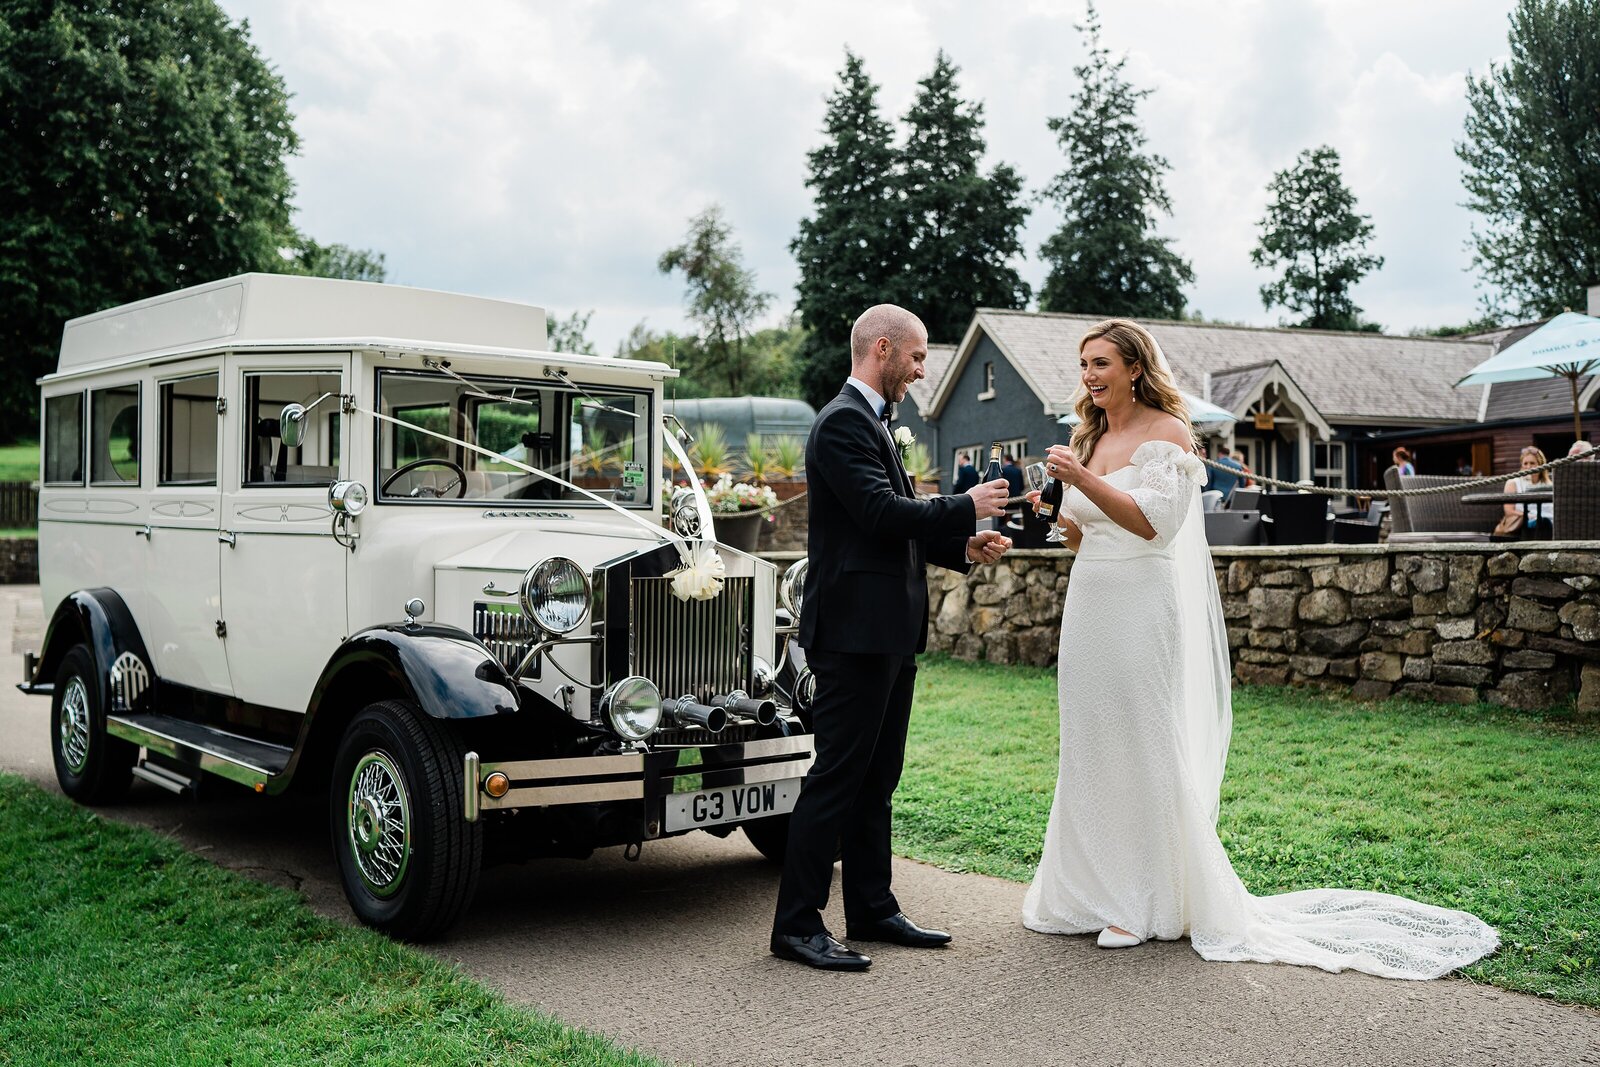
628	776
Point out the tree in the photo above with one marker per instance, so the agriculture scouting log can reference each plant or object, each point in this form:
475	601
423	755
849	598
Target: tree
336	261
852	250
1106	259
571	334
1532	153
723	299
963	226
142	149
1313	233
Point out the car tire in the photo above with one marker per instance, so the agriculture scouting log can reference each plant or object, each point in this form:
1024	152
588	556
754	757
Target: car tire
408	858
92	766
769	835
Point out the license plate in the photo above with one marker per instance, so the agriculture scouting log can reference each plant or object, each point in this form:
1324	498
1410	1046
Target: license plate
731	803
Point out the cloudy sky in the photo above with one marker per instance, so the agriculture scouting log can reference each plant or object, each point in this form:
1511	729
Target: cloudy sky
549	152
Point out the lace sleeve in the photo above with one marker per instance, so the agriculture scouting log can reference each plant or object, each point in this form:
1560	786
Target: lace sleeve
1168	478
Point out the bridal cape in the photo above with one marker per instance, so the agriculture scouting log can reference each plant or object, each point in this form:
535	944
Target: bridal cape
1146	714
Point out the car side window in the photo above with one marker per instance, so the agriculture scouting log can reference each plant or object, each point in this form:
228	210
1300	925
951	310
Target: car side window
268	461
114	435
63	440
189	431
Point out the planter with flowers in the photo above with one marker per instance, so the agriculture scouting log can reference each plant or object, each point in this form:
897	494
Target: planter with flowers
738	509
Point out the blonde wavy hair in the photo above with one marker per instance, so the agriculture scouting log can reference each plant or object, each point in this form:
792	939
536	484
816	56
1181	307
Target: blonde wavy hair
1538	460
1154	385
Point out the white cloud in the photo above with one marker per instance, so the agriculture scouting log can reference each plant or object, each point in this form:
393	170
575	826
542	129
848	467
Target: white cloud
551	152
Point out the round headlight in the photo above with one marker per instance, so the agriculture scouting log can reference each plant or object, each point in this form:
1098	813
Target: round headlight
555	594
792	592
685	513
348	497
762	678
805	689
633	706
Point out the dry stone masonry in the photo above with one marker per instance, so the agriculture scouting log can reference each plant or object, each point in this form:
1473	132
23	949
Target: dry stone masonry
1515	625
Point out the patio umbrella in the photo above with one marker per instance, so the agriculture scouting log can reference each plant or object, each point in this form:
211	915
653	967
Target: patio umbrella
1201	412
1568	345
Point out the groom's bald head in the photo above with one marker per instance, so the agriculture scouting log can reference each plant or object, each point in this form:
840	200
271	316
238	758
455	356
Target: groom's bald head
886	322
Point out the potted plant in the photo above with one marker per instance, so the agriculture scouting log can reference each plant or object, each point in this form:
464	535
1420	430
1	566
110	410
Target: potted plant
786	460
739	509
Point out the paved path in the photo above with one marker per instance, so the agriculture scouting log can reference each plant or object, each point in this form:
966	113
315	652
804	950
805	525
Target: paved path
669	955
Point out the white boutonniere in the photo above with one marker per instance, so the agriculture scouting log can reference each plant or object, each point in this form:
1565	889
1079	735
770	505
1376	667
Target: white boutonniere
903	440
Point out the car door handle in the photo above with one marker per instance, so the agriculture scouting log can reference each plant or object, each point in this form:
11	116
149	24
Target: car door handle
143	531
227	537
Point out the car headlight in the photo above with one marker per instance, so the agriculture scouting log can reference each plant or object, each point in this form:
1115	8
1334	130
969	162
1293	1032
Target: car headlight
348	497
792	592
633	706
555	594
805	690
762	678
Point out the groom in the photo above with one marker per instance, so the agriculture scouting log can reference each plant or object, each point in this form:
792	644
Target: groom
864	617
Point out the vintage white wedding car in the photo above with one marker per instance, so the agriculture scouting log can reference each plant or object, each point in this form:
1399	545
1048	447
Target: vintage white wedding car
378	542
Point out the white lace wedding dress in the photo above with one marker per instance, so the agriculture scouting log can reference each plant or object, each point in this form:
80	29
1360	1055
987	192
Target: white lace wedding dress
1145	718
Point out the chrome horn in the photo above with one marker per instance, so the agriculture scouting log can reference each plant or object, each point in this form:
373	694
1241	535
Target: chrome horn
738	702
686	711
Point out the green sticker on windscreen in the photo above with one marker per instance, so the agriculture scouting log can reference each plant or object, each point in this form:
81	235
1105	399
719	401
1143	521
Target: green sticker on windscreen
633	474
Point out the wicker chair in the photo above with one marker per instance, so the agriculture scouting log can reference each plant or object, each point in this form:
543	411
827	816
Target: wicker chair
1577	501
1440	516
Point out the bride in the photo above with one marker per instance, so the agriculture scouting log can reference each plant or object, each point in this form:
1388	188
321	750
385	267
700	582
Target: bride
1131	850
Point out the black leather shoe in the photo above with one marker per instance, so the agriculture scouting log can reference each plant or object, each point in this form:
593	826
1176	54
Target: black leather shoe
899	930
820	951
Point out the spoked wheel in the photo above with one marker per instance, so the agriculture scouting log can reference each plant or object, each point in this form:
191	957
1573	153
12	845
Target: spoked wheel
92	766
408	858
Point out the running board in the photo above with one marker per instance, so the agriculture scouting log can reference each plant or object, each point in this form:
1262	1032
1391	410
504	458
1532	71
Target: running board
202	748
171	781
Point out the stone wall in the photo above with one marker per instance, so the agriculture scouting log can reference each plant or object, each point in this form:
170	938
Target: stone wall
1515	625
19	560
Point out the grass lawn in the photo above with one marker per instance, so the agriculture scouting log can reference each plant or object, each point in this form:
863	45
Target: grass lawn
1471	808
118	947
19	462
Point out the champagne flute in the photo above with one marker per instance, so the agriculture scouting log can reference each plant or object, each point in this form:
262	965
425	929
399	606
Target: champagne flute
1034	476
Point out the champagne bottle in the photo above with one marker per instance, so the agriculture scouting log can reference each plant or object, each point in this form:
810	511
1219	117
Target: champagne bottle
992	472
1050	499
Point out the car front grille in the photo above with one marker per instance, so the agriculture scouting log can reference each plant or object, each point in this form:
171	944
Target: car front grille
504	630
690	647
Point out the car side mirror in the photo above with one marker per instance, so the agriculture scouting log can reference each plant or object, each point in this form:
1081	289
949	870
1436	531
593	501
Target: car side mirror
292	425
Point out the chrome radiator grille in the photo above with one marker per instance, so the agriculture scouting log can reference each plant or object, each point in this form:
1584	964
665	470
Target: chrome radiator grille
505	630
695	647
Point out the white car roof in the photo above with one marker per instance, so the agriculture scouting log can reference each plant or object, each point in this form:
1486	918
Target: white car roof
290	312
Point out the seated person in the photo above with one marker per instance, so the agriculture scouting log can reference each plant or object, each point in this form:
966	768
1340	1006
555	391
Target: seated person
1541	516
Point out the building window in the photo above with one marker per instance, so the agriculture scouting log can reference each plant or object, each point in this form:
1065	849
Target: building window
988	382
63	440
189	431
1327	463
114	435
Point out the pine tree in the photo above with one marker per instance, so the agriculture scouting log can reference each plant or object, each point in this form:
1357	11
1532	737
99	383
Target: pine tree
1106	259
963	225
852	251
1313	232
1532	153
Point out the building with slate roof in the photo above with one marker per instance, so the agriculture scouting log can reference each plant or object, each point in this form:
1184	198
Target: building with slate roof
1314	404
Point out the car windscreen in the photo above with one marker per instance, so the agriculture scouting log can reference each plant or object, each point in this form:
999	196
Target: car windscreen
596	437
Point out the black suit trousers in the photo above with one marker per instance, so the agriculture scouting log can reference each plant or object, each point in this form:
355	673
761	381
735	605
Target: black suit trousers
860	715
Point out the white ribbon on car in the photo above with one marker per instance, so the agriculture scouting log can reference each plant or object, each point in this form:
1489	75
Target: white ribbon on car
702	572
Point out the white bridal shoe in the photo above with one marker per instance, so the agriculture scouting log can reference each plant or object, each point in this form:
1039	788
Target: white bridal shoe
1109	938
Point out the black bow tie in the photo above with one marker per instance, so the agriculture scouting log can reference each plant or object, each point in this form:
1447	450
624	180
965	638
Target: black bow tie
887	416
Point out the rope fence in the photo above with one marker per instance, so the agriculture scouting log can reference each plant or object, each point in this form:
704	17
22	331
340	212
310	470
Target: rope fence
1386	494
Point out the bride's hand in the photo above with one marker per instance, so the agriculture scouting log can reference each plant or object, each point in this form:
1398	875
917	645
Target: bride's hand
1061	464
1032	497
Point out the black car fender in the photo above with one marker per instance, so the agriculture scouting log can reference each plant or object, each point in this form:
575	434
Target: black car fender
444	669
97	618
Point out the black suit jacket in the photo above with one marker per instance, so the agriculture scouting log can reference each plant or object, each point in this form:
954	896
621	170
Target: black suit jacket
870	538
